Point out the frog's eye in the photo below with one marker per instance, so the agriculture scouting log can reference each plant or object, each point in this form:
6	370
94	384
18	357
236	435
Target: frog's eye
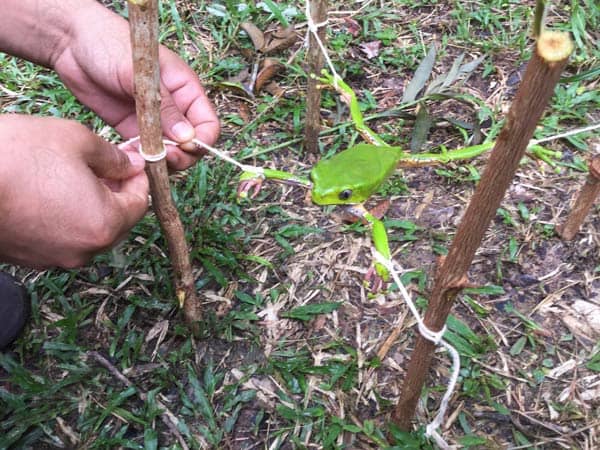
345	194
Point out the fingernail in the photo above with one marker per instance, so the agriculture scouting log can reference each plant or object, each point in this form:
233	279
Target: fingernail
183	131
136	159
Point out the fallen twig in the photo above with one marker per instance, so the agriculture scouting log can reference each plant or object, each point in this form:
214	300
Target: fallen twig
168	418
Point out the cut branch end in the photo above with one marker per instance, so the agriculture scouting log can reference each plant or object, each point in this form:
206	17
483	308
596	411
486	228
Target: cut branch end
554	46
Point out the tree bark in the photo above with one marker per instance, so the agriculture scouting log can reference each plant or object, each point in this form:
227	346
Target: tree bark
542	74
143	21
585	200
318	11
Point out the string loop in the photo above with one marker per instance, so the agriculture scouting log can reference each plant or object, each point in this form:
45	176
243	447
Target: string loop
433	336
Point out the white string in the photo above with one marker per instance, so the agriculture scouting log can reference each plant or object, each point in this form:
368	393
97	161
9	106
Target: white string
147	156
434	336
244	167
314	29
259	171
565	134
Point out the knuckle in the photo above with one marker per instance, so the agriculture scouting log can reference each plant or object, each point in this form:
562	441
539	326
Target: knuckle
102	234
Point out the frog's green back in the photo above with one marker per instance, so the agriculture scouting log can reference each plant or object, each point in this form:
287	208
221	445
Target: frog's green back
352	175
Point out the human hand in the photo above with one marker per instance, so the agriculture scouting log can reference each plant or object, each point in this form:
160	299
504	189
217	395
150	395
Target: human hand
65	193
96	66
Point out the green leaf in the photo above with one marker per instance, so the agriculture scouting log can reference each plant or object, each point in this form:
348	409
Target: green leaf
218	10
518	346
283	242
594	362
462	329
523	211
406	225
468	68
589	74
513	249
201	399
214	271
296	231
454	71
369	427
500	408
150	439
277	13
421	129
176	20
420	77
306	312
471	440
259	260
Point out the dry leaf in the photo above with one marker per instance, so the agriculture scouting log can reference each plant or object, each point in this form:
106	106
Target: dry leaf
380	208
281	43
159	329
240	77
352	26
67	432
371	49
257	36
283	33
277	91
270	68
583	319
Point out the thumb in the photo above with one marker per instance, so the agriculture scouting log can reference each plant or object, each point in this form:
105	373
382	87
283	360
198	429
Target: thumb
108	161
174	123
132	200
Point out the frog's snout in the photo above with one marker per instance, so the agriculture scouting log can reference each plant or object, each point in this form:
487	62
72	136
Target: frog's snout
317	198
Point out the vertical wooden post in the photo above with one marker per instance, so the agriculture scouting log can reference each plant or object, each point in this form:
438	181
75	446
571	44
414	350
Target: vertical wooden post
318	12
143	22
585	199
542	74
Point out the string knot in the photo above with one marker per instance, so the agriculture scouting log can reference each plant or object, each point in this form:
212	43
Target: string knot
153	157
147	156
433	336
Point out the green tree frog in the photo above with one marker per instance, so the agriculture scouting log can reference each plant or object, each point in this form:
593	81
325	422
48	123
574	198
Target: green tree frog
350	177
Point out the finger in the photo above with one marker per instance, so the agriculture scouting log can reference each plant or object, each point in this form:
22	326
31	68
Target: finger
132	200
206	123
107	161
188	94
180	160
199	112
174	123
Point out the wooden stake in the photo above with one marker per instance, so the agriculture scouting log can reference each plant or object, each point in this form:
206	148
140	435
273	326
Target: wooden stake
143	22
585	199
318	12
542	74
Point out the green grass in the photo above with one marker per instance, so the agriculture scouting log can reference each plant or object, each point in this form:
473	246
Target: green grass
287	355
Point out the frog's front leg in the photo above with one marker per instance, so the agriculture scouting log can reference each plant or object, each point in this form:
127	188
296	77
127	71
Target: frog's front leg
249	185
251	181
348	96
377	276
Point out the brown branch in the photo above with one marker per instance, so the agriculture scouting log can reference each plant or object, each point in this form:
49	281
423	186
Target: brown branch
143	21
318	11
542	74
168	418
585	199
